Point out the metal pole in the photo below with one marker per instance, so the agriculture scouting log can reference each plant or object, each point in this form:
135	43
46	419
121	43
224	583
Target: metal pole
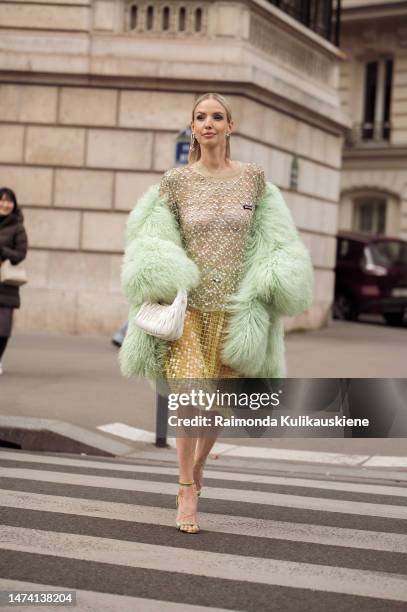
161	428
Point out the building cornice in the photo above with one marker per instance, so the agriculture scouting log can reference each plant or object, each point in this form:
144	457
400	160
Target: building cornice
376	152
245	46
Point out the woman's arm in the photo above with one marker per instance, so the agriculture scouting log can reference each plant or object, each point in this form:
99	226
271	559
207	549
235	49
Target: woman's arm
155	264
19	250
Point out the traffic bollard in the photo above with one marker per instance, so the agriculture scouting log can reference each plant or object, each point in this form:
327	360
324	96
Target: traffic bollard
161	421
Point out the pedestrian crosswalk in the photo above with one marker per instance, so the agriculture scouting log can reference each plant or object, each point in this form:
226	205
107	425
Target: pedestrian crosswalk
105	528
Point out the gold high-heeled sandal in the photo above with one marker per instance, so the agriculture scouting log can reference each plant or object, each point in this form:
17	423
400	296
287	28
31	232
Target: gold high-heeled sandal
201	463
182	526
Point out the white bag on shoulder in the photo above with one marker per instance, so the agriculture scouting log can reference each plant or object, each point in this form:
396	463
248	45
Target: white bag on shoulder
162	320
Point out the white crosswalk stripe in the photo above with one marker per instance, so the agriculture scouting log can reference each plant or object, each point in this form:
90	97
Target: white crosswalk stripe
213	565
145	469
256	497
74	528
239	525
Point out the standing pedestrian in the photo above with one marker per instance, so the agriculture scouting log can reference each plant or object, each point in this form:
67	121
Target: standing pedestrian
218	230
13	246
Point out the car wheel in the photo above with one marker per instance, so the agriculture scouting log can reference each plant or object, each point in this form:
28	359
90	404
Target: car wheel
344	309
394	318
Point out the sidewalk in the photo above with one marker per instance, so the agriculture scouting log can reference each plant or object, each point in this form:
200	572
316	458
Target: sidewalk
76	381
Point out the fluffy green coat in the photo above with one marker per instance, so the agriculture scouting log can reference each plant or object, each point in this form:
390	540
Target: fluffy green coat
277	281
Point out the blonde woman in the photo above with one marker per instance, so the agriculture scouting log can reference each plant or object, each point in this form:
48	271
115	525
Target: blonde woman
218	230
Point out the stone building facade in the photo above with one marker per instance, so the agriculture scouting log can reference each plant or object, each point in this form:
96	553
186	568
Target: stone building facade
373	89
93	94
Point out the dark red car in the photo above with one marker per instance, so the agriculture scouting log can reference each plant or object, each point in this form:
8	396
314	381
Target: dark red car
371	277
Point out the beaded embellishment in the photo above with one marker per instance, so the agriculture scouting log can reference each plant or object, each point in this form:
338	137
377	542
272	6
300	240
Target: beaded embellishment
214	216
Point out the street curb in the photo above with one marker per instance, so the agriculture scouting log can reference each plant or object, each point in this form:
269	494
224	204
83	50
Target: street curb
284	455
53	435
293	468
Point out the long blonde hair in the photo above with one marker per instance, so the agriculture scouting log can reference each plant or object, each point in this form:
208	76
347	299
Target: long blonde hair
195	151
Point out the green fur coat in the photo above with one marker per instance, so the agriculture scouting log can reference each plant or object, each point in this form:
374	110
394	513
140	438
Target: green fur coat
277	281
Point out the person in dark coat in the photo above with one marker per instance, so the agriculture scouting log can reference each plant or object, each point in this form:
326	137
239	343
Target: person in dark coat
13	246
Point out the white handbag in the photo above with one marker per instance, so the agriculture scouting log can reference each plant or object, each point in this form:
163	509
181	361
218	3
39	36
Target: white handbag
12	275
165	321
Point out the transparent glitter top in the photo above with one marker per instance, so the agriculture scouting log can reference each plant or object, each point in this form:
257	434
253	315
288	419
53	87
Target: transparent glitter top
214	216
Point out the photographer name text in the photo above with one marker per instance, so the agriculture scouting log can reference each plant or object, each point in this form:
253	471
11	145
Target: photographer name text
267	421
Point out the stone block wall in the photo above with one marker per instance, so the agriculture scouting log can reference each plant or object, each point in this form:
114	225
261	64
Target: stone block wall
72	15
399	101
77	158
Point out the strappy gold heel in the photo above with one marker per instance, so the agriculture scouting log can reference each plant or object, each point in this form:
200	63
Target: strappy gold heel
201	464
183	526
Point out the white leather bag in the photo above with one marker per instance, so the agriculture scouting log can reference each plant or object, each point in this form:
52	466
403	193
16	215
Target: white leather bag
162	320
12	275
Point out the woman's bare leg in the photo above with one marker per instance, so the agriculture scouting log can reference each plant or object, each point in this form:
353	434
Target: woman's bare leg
188	500
186	451
203	448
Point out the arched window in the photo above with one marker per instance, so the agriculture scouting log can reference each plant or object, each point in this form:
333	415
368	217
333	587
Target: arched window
198	20
133	17
182	19
370	215
150	18
166	18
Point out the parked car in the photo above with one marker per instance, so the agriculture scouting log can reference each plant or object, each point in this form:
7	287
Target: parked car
371	277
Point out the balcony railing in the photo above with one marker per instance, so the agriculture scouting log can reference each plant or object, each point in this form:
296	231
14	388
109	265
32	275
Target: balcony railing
321	16
361	133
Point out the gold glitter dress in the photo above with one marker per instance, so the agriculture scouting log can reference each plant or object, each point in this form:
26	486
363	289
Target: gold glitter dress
214	216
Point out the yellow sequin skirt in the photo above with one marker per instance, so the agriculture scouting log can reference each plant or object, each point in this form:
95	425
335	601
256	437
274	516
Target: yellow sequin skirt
197	354
194	361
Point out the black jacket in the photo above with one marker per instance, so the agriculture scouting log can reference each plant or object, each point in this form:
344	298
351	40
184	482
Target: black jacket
13	246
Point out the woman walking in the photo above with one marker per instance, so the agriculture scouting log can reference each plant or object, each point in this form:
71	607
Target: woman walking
13	246
216	229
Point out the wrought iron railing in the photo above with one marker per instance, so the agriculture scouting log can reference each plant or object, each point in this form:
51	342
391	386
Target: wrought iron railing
360	133
321	16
